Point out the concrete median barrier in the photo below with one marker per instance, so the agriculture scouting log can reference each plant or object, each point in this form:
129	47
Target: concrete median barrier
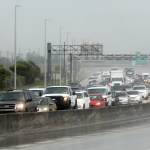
52	121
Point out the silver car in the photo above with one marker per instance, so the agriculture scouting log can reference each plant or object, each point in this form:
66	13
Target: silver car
135	96
124	98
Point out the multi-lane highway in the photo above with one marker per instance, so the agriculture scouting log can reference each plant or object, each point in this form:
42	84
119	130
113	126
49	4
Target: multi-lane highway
132	135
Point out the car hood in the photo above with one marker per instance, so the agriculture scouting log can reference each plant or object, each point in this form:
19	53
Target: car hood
94	101
45	95
10	102
133	95
122	97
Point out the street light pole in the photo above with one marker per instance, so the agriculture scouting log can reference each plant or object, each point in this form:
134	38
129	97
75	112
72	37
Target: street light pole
45	53
60	54
66	72
15	47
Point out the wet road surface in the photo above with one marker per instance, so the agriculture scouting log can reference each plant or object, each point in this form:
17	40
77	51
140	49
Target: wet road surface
132	135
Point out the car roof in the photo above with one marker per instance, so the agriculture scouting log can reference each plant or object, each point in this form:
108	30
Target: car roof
95	94
80	91
58	86
100	87
37	89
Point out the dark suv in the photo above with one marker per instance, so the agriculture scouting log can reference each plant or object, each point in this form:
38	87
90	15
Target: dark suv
17	101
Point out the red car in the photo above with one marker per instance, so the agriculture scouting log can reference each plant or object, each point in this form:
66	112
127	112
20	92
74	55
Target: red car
97	101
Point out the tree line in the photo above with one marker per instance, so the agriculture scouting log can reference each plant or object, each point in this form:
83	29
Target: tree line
27	72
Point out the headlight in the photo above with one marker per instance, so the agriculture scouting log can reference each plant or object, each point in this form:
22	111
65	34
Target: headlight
98	103
126	99
65	98
20	106
138	97
45	109
38	109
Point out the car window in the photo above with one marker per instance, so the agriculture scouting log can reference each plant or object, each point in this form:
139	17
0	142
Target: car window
79	95
57	90
12	96
85	94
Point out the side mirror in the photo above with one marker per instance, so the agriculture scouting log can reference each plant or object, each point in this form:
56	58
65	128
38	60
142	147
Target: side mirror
40	93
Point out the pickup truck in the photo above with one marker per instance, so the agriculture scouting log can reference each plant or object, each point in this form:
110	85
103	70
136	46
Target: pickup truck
63	96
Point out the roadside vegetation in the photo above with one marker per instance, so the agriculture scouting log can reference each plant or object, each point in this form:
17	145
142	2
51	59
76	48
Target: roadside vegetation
27	73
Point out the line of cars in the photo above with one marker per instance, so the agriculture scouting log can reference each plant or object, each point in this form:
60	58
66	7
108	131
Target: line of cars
25	101
63	97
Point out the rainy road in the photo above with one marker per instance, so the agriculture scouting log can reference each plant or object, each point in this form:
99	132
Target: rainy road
132	136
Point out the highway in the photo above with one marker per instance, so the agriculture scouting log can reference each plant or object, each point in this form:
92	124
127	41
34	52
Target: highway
132	135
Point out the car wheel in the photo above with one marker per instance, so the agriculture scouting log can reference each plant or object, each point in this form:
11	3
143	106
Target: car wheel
26	110
52	109
76	105
83	106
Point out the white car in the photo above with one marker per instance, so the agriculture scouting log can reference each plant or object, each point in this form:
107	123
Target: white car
142	90
135	96
83	100
37	91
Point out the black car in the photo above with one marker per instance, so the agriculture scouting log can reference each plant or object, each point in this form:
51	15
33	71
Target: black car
115	99
118	88
17	101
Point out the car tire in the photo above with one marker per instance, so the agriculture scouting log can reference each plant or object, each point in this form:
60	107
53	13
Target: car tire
26	110
83	106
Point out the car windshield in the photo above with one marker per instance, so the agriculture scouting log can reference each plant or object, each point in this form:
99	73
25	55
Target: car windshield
133	92
139	88
12	96
44	102
121	94
118	88
116	79
37	92
57	90
97	91
79	95
95	97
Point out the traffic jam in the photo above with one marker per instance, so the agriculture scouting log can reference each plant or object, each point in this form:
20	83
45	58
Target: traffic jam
111	88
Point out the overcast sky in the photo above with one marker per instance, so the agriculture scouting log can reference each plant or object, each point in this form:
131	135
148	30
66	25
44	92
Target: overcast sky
123	26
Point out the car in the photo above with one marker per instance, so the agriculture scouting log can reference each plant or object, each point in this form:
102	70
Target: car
142	90
104	91
37	91
83	99
75	89
97	101
115	99
45	104
135	96
118	88
63	96
124	98
128	87
148	88
148	80
17	101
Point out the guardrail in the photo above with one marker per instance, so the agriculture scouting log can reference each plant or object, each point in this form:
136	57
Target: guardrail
60	120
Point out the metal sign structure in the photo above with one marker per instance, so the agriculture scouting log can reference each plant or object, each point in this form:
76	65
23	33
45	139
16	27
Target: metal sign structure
84	51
